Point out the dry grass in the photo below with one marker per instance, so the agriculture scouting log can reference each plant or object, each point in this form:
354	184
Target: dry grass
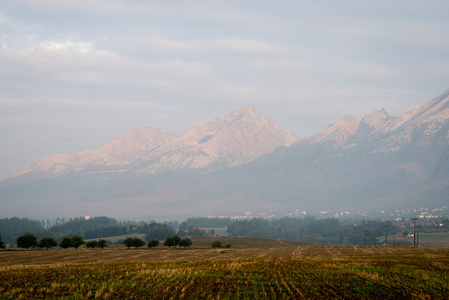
258	271
122	254
241	242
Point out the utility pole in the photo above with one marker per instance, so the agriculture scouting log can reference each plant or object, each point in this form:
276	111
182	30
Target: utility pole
364	237
393	237
417	235
386	234
414	230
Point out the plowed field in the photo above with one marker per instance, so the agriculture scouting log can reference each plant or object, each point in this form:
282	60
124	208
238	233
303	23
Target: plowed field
289	272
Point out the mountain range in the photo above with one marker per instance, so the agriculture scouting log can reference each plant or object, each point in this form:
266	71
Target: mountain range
244	162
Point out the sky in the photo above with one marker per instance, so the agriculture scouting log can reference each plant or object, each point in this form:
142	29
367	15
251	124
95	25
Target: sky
75	74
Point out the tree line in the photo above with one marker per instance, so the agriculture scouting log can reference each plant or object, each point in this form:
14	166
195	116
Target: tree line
171	241
92	228
309	229
331	231
29	240
11	228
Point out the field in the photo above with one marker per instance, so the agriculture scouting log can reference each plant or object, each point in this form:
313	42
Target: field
250	269
220	231
441	238
434	239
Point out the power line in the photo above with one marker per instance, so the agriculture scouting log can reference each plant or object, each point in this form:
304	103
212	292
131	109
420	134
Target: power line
414	230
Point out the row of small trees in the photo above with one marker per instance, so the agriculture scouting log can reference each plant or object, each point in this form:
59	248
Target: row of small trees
100	244
29	240
177	241
172	241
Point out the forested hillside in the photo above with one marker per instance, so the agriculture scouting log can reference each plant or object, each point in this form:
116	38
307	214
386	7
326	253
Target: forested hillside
88	228
330	231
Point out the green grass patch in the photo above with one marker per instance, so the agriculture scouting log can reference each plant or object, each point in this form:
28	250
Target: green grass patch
440	236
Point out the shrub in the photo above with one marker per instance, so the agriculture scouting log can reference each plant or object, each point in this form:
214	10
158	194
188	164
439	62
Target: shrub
133	242
172	241
48	243
2	243
91	244
77	241
169	242
185	243
216	244
27	240
102	243
65	243
153	243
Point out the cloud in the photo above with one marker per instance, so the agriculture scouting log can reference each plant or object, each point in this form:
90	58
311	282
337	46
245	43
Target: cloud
110	66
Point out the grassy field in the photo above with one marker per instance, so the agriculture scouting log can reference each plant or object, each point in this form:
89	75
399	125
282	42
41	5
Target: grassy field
440	239
440	236
220	231
250	269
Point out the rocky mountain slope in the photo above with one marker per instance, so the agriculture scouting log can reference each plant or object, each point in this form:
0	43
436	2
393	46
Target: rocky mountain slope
350	130
243	161
420	126
118	152
230	140
126	148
